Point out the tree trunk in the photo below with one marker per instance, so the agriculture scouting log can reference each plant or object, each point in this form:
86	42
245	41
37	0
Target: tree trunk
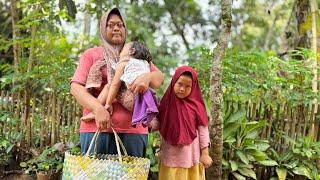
317	126
87	22
16	53
313	60
28	89
295	31
302	12
216	122
15	36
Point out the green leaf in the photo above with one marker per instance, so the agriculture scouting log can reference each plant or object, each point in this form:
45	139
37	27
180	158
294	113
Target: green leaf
242	157
286	156
225	163
234	165
282	173
262	145
292	164
238	176
23	164
248	172
268	163
259	155
301	170
230	129
9	148
237	116
250	166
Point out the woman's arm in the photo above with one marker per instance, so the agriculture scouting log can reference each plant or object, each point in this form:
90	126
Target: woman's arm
85	99
153	79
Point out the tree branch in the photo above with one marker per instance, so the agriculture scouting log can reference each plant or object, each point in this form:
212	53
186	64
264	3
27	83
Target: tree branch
176	25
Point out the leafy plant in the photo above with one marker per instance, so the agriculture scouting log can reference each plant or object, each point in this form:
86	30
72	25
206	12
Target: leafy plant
302	159
242	146
260	76
8	140
50	160
152	149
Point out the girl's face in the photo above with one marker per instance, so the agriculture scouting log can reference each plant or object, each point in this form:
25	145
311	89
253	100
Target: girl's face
116	32
126	50
182	88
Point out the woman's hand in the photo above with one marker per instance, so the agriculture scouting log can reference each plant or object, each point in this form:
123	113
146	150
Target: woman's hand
102	117
205	159
141	84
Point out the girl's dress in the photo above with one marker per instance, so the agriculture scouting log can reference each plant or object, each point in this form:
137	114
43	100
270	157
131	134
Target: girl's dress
183	162
184	131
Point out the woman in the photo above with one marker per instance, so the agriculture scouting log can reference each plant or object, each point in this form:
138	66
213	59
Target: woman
113	34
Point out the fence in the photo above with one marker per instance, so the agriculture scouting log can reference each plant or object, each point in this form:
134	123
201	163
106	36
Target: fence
294	121
43	120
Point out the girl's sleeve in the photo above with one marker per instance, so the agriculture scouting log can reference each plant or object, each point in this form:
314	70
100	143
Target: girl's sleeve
204	136
82	71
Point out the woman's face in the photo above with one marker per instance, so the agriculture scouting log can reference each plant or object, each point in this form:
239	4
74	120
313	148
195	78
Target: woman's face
116	32
182	88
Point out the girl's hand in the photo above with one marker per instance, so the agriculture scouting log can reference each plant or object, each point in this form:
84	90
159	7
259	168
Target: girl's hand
154	125
206	160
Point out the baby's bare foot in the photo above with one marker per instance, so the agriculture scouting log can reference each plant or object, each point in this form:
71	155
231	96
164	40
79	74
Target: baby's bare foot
87	117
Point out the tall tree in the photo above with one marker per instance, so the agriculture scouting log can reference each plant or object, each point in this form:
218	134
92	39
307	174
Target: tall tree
295	31
313	5
216	122
15	35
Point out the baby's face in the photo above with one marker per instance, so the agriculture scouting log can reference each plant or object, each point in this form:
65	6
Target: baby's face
125	52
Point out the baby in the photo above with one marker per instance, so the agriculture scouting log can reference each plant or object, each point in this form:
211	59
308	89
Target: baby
135	60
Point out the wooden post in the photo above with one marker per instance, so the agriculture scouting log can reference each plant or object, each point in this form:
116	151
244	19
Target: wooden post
52	116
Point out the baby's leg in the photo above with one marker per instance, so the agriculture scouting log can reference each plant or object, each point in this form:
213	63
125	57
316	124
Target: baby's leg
87	117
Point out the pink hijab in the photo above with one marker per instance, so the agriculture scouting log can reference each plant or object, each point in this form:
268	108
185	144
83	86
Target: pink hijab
179	118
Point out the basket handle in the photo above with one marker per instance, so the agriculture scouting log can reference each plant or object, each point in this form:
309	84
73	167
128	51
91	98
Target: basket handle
118	142
94	139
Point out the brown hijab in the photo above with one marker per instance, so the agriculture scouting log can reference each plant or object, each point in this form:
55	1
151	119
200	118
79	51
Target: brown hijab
111	57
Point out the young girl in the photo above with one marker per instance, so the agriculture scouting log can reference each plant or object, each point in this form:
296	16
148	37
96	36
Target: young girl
135	60
184	129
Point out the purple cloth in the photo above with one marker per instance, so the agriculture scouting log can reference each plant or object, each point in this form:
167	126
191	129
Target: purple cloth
145	108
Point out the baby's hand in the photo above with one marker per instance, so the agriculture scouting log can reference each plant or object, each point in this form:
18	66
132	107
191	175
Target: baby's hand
206	160
109	108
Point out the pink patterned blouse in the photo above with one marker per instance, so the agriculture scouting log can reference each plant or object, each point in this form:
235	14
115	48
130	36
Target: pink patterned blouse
185	156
